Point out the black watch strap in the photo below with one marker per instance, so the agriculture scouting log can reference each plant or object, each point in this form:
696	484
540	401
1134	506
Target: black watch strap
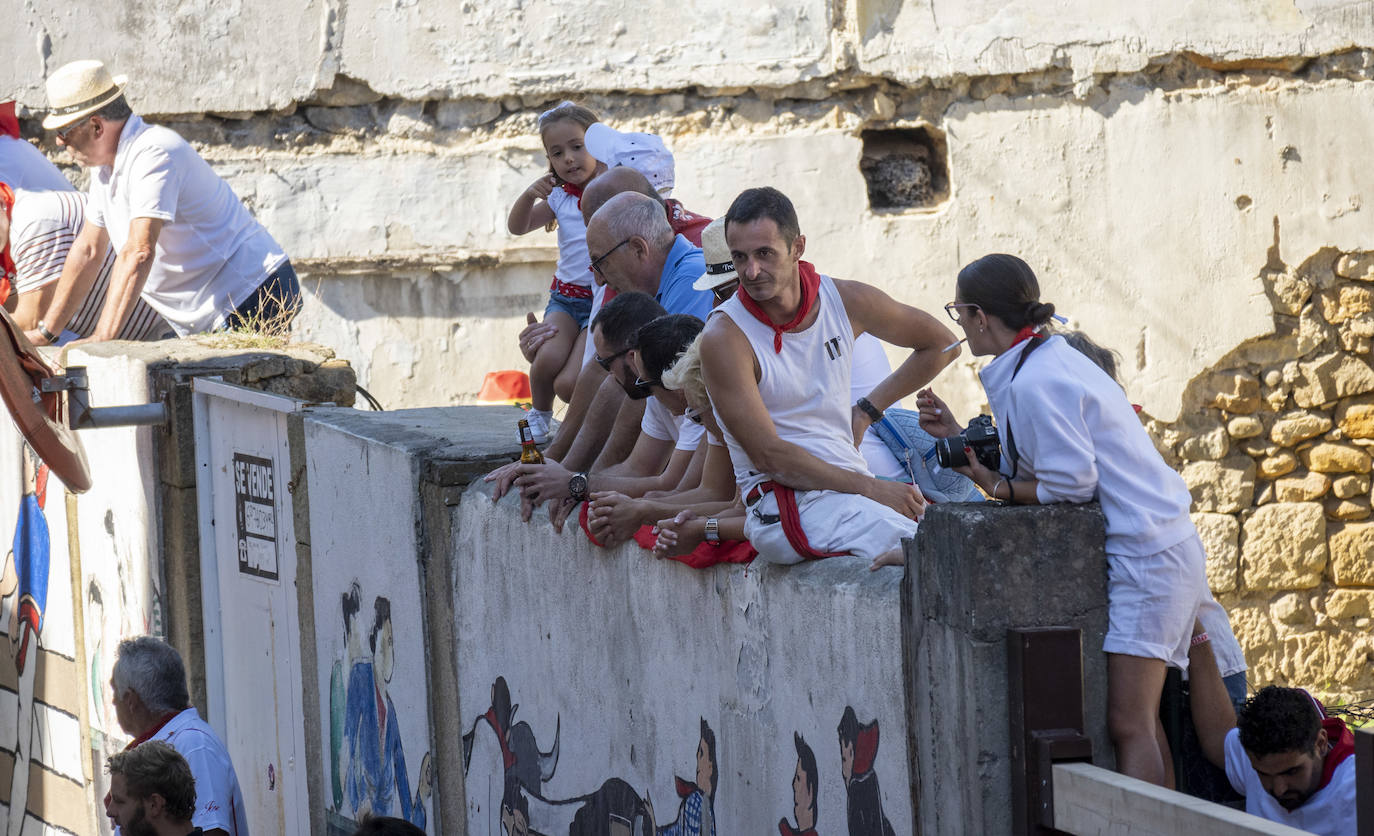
577	487
874	413
47	335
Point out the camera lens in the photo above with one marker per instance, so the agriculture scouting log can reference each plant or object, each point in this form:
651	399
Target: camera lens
949	452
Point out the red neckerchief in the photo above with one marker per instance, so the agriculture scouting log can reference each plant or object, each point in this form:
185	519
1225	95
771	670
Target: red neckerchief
810	288
146	736
8	274
1024	334
785	828
40	485
507	756
1342	746
685	787
574	190
9	121
865	749
686	223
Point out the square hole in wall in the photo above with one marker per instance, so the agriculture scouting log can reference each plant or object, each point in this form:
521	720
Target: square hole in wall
906	168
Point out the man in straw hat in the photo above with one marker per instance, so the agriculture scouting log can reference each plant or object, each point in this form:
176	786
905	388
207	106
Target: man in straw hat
185	241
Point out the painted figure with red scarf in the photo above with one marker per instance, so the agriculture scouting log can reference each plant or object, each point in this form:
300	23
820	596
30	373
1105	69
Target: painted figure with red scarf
804	785
696	814
858	750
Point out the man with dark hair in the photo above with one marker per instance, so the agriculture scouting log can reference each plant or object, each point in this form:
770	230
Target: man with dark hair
185	241
152	703
804	783
386	826
696	815
778	367
663	449
152	791
1293	764
858	751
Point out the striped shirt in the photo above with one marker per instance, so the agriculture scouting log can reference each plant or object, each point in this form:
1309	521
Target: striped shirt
44	227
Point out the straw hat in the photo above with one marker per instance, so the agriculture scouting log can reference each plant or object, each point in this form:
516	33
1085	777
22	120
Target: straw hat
644	153
720	268
77	90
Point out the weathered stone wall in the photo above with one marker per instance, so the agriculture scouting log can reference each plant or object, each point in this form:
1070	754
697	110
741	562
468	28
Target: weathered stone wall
1275	444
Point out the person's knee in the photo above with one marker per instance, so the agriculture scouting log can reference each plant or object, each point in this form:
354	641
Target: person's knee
1127	722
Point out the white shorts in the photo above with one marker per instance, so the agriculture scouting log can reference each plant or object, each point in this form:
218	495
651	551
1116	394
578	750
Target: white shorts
833	522
1153	600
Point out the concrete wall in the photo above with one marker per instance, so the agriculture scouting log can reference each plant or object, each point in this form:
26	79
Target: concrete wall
1139	158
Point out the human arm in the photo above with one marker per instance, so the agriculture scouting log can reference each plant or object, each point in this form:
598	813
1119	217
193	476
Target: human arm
531	209
78	275
592	410
727	365
683	532
1213	714
543	482
874	312
130	273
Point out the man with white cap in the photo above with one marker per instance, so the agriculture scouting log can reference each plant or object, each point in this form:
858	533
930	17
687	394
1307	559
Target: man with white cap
185	241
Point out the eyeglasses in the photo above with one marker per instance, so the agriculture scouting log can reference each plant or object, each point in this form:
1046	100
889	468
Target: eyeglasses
646	383
62	133
596	262
953	309
725	291
605	362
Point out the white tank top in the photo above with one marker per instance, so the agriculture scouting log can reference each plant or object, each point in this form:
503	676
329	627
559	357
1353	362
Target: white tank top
805	387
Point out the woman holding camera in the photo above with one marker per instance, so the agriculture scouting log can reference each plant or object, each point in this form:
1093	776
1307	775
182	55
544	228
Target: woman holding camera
1068	434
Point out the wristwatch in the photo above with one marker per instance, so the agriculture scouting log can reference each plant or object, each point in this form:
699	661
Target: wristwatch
874	413
577	487
712	530
47	335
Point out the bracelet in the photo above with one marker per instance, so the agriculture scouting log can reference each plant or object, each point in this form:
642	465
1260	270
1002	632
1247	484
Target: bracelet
874	413
47	335
712	529
1200	638
999	484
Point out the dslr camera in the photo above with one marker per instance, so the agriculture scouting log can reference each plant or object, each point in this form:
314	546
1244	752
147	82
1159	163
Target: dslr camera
981	435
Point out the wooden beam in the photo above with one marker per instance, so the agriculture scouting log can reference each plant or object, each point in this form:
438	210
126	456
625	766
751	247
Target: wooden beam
1091	800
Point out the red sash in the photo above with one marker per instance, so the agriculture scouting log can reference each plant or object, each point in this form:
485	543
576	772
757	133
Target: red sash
810	288
9	121
582	521
790	517
572	291
8	273
705	555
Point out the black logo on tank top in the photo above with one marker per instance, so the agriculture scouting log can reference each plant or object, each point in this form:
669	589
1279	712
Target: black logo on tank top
832	348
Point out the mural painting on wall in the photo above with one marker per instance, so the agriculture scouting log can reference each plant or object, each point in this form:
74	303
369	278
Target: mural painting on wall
368	772
25	582
858	750
805	783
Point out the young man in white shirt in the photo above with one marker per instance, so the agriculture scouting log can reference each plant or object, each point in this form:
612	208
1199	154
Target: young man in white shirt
185	241
1293	764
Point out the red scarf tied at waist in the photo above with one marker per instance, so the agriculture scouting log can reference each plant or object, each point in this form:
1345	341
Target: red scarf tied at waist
810	289
8	273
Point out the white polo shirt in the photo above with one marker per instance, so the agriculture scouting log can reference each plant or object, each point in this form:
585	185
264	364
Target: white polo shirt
1329	811
219	801
211	254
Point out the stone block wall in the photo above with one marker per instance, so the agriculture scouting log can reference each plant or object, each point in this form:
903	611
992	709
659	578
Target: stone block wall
1275	442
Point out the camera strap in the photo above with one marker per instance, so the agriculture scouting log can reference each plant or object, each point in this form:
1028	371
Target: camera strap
1033	342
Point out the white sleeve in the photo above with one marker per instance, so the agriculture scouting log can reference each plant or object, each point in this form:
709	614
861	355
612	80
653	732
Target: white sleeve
214	793
1052	433
39	241
658	422
690	433
1237	763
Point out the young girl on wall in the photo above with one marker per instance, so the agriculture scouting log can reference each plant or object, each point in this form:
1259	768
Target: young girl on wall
1069	434
557	196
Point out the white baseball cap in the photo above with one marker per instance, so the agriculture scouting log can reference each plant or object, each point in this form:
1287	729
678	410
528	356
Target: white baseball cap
644	153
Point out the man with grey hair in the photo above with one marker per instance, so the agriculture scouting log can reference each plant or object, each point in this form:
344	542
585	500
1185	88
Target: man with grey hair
152	703
152	791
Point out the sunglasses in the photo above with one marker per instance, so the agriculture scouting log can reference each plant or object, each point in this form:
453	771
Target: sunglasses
596	262
693	415
646	383
953	309
62	133
725	291
605	362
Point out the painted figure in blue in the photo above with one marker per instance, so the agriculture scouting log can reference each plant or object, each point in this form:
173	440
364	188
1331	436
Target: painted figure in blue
25	577
696	815
377	777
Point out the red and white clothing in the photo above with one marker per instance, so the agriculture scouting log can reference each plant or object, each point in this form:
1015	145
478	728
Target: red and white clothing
219	801
804	380
211	254
44	225
574	263
1329	811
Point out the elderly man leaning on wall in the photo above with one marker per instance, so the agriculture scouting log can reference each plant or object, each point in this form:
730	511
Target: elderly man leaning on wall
185	241
152	703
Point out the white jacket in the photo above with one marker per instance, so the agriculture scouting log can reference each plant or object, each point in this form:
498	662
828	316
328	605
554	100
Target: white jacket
1077	435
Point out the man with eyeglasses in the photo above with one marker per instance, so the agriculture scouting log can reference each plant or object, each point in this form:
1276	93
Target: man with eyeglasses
185	242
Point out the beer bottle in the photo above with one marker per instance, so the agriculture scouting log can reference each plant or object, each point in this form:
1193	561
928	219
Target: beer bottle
529	454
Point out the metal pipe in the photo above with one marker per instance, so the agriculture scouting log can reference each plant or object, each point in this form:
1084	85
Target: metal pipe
123	416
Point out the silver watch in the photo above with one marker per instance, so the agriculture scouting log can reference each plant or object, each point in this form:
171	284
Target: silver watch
712	530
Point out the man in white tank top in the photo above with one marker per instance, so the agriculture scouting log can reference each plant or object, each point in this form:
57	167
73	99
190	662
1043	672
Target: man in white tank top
776	359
